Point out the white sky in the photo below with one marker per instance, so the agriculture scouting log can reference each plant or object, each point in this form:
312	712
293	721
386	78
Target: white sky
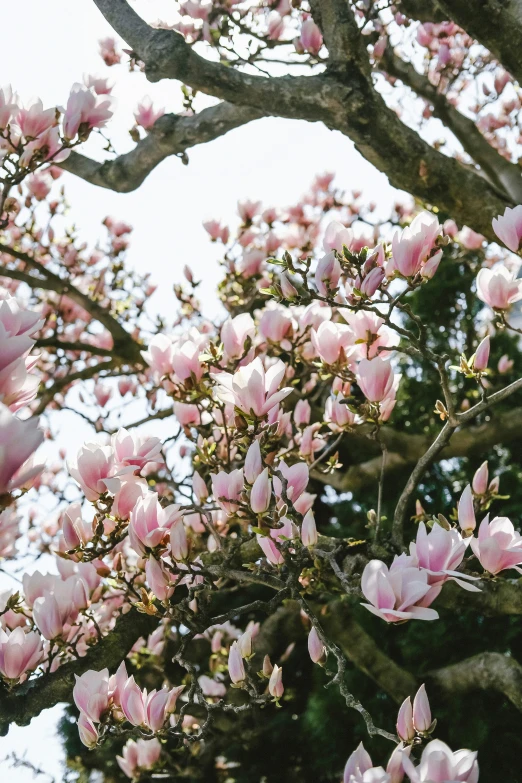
49	48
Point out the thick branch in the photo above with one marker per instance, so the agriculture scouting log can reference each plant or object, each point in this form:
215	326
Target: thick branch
362	650
505	175
404	450
344	98
171	135
30	699
486	671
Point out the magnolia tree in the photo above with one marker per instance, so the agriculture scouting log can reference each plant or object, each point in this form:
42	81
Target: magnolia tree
322	528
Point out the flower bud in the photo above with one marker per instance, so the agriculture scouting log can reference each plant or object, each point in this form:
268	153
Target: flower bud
253	462
275	684
480	361
466	512
236	667
480	479
178	541
309	530
261	493
421	711
405	727
316	647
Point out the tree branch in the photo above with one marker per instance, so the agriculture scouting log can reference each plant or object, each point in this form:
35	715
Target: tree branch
124	345
29	699
343	97
171	135
487	671
504	174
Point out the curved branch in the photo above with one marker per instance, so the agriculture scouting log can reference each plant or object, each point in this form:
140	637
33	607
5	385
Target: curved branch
172	134
29	699
343	97
487	671
404	450
124	345
506	175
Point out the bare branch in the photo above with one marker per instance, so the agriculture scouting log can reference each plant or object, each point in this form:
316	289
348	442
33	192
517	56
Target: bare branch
171	135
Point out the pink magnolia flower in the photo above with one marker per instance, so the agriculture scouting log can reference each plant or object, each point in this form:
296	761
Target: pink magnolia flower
337	235
211	687
236	668
252	389
99	84
91	466
140	755
226	488
248	209
275	323
108	51
337	415
85	111
8	106
91	693
311	38
302	413
359	769
234	334
412	246
126	490
200	488
47	146
34	120
498	287
75	530
439	764
150	522
505	364
470	239
508	227
16	320
333	342
159	578
261	493
9	532
133	702
369	333
376	379
297	477
159	705
18	440
87	731
146	115
178	541
399	593
216	230
327	274
498	545
185	360
132	448
440	552
159	354
187	414
20	653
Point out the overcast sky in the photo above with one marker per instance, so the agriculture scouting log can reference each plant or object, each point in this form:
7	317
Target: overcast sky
48	47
